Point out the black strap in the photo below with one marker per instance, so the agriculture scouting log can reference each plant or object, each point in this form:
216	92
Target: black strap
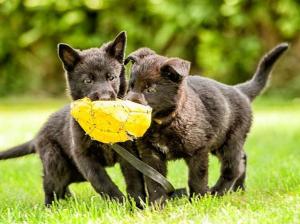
144	168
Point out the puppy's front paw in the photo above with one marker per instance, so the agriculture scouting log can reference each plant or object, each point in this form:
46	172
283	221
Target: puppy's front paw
139	202
158	203
120	198
179	193
218	191
199	194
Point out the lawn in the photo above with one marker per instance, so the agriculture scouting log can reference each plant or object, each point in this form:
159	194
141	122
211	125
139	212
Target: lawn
273	182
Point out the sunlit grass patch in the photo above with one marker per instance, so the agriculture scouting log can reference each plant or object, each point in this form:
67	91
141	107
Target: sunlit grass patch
273	178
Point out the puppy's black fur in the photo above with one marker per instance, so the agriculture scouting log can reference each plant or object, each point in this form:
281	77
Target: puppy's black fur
67	153
193	116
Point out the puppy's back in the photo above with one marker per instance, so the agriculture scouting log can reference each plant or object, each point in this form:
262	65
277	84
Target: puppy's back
225	104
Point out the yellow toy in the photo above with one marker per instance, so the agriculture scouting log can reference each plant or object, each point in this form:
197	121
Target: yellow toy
112	121
118	121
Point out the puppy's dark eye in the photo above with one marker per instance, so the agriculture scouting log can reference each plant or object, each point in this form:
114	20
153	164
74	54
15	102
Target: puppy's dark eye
87	80
111	77
168	74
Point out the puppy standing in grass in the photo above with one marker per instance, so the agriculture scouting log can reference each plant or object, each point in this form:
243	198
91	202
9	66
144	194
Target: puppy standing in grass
68	155
193	116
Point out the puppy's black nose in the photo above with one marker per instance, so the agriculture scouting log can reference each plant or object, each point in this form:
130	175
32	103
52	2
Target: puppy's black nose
102	96
136	100
94	96
136	97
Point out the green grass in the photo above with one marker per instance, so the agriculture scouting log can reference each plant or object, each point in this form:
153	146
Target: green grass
273	182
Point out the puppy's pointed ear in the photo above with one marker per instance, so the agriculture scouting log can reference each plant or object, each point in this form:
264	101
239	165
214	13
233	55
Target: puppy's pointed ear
139	54
175	69
69	56
117	47
130	58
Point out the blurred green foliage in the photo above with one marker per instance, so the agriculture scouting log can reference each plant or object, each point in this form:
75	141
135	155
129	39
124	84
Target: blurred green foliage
222	39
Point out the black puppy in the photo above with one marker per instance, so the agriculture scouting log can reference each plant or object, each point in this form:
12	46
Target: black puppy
193	116
67	153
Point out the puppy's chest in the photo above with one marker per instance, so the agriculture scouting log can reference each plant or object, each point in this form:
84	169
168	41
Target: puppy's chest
105	155
173	143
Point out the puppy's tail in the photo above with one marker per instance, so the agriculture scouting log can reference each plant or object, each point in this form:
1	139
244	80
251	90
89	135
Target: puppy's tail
254	86
18	151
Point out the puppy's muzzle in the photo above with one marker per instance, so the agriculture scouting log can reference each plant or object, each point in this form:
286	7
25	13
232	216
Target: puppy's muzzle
102	96
136	97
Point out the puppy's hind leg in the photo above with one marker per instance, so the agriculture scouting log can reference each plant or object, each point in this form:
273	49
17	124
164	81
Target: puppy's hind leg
240	182
54	191
57	173
232	168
